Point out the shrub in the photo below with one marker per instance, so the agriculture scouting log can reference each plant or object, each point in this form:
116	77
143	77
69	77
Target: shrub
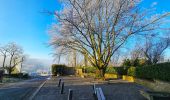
25	75
90	69
121	70
134	62
18	75
111	70
131	71
126	62
159	71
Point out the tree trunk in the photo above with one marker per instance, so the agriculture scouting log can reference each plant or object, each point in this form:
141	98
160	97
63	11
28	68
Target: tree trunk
75	58
85	60
10	63
100	73
4	61
10	71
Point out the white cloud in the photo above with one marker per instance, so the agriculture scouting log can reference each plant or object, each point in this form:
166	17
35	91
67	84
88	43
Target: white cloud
154	4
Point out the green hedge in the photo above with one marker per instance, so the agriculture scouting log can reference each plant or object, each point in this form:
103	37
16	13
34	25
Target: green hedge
57	69
62	70
159	71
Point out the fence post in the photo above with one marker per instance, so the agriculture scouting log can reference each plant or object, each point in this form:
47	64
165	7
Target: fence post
62	88
70	94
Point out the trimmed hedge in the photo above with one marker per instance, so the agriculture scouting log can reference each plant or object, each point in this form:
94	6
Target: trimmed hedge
62	70
57	69
159	71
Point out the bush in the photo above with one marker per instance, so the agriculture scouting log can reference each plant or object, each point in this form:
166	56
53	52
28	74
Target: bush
159	71
25	75
126	62
134	62
90	69
111	70
17	75
131	71
121	70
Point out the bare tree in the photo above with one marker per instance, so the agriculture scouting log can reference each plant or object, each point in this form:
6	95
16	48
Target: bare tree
4	52
98	28
153	49
136	52
16	54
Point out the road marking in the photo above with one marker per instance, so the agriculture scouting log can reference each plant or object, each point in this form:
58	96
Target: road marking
37	90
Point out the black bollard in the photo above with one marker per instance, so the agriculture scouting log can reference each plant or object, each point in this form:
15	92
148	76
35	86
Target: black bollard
94	88
70	94
59	82
62	88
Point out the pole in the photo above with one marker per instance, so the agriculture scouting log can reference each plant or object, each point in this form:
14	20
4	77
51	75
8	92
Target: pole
70	95
62	88
59	82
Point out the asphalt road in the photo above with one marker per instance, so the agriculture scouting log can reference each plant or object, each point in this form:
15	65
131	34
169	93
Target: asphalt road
20	90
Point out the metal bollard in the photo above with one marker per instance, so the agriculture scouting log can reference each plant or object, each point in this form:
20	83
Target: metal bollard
59	82
94	88
62	88
70	94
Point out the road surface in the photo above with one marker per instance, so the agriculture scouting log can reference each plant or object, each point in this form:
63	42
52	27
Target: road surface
20	90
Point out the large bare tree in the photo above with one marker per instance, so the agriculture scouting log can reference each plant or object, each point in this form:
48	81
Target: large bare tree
98	28
16	55
4	53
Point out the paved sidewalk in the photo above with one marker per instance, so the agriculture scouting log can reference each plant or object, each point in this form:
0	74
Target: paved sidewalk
82	89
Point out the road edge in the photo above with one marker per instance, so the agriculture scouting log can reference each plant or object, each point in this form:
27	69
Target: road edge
37	90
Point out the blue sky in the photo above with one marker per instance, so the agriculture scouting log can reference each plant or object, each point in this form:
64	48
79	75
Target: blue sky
22	22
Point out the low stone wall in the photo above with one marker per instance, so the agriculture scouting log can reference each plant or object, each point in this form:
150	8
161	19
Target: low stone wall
79	72
156	85
111	76
128	78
